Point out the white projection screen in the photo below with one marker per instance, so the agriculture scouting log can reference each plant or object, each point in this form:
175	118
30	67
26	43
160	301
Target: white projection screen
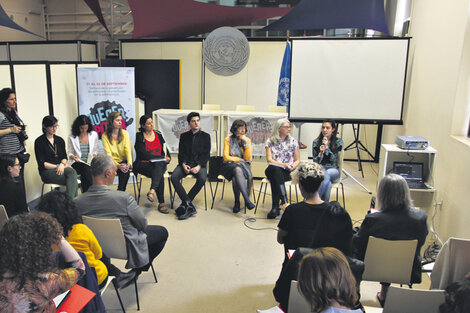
350	80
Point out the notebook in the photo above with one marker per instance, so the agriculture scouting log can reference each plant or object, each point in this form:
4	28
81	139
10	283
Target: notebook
411	172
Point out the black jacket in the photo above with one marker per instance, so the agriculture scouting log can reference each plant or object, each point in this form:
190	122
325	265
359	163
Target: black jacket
142	153
202	148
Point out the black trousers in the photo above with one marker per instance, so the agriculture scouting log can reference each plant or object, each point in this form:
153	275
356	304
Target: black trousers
179	173
123	178
155	171
277	176
156	240
85	175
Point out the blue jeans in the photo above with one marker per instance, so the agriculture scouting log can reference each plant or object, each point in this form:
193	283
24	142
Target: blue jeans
331	176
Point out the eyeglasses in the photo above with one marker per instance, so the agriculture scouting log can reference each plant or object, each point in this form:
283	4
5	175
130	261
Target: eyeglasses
285	127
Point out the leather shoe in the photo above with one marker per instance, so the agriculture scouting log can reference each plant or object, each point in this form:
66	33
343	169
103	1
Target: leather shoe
190	211
125	279
274	213
236	209
250	205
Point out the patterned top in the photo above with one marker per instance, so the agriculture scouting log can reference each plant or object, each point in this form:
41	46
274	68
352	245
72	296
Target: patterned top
283	151
9	143
38	295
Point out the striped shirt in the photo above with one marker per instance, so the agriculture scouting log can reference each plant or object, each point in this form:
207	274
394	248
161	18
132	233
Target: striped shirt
9	143
85	150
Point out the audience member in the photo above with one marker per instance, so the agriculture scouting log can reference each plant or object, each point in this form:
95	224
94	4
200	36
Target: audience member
151	160
327	283
83	146
311	223
457	297
283	156
326	149
29	279
236	166
117	144
12	195
193	154
395	220
81	238
144	242
52	157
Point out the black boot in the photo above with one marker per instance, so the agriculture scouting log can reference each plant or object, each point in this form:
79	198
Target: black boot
274	213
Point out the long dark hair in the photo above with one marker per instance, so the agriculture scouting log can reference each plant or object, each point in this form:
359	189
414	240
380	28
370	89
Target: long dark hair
333	146
80	121
109	126
4	95
25	242
60	205
6	160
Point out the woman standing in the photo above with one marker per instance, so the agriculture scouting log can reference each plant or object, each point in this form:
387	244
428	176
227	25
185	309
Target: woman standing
151	160
52	157
12	194
12	128
326	149
83	142
282	154
29	279
117	144
395	220
236	166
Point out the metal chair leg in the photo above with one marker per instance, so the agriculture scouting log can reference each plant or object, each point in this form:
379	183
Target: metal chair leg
215	193
264	197
137	294
223	190
259	195
154	275
118	295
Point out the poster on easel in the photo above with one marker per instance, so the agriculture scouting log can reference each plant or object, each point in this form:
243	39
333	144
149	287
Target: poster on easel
102	90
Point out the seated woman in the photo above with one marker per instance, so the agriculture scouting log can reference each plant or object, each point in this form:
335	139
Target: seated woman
12	194
151	160
312	223
81	238
83	142
326	149
327	283
117	144
282	155
395	220
29	279
236	166
52	157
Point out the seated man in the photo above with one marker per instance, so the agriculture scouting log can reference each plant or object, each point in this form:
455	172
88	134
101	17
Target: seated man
193	154
144	242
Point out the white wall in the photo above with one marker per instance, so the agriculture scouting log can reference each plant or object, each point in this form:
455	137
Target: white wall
19	10
437	104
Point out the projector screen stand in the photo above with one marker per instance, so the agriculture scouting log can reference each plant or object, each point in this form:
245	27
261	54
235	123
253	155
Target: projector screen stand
357	144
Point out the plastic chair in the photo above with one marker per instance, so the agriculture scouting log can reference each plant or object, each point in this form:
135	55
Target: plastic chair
3	216
404	300
166	176
389	261
265	182
57	186
110	235
245	108
452	263
297	302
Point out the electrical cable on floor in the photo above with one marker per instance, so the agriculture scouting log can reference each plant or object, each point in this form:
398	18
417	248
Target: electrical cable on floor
253	220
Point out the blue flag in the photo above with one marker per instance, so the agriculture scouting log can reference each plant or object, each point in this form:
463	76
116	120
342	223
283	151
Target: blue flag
284	80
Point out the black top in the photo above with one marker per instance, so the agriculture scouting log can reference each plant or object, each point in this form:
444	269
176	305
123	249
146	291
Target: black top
406	224
317	225
13	198
141	151
45	152
194	149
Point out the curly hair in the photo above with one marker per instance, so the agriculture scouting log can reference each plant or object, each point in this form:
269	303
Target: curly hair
110	127
60	205
236	125
25	243
325	277
80	121
309	176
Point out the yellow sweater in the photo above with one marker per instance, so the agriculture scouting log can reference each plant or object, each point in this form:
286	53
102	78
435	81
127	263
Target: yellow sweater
83	240
118	151
246	154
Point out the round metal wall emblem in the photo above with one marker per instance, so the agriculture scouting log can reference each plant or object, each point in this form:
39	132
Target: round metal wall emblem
226	51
